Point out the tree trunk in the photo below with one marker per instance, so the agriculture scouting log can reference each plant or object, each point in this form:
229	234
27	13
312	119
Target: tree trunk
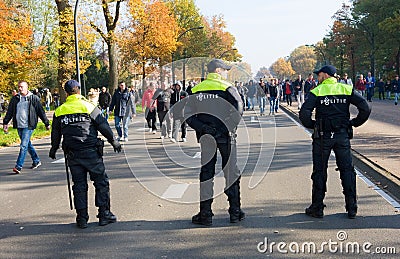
64	10
113	70
111	23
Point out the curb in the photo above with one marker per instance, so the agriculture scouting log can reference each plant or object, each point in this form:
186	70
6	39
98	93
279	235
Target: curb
381	177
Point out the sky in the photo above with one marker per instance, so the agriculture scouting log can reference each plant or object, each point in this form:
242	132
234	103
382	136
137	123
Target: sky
266	30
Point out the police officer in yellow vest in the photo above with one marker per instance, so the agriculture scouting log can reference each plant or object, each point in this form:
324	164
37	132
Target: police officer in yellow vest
332	130
214	111
77	122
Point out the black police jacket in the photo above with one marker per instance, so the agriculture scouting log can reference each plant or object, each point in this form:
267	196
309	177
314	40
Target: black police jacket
332	101
77	121
215	104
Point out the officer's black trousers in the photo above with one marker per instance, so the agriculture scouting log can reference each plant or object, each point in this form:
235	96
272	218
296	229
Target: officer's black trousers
340	144
229	165
79	168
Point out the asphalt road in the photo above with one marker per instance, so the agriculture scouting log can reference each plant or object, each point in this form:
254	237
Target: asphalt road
379	138
154	193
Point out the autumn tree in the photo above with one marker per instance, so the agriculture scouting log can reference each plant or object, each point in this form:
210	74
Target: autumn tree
43	16
150	37
220	42
18	56
282	69
263	72
191	43
303	60
109	36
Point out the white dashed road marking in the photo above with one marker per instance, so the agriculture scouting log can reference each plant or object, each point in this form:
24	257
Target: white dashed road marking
175	191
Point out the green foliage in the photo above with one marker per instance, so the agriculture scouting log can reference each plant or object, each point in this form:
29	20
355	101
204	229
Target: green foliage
364	37
97	73
12	137
193	43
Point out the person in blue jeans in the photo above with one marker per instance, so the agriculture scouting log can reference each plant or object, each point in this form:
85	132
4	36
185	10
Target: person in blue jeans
122	105
261	94
273	95
251	95
396	89
370	86
24	109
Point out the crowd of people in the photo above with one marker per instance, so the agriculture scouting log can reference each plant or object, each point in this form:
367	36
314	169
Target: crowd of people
78	120
274	91
366	86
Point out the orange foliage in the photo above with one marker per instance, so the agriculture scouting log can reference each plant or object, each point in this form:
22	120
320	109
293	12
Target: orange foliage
17	53
152	34
219	39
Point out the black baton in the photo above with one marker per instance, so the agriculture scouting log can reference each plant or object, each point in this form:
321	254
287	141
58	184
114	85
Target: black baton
321	135
68	181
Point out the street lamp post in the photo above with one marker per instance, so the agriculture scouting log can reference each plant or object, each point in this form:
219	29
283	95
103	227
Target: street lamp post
173	53
78	72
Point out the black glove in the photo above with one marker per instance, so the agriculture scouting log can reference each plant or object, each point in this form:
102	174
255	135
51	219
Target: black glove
116	145
208	130
52	153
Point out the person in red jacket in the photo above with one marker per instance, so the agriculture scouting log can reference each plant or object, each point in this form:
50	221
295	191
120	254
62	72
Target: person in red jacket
150	111
361	85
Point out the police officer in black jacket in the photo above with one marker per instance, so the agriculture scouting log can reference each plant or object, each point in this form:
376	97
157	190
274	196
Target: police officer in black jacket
332	130
77	121
214	111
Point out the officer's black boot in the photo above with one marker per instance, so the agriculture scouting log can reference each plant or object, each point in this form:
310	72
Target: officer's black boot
316	209
204	217
82	218
235	213
348	178
351	207
106	216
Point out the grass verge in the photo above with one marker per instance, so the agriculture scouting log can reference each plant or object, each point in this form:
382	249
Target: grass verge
12	137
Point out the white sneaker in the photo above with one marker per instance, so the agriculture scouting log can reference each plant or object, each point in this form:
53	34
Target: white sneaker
173	140
122	139
184	140
162	138
154	131
150	130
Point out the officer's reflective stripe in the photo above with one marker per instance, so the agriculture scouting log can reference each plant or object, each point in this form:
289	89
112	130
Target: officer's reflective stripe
330	86
213	83
75	104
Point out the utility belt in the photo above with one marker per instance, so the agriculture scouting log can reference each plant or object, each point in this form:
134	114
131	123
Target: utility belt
317	133
91	152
